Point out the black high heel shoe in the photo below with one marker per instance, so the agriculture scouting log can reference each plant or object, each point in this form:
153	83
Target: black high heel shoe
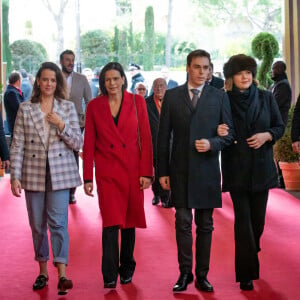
40	282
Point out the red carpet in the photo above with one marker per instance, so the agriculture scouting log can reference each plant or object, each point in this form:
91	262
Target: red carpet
155	253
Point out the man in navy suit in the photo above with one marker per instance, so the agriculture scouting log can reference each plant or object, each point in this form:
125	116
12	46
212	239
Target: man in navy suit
213	80
192	170
13	96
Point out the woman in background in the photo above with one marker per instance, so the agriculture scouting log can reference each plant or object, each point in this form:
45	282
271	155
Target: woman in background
118	140
42	163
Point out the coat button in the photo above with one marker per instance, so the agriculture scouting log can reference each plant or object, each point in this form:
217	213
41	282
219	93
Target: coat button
124	146
111	146
59	154
33	155
32	141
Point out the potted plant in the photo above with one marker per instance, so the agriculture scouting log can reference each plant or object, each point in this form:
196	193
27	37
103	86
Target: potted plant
287	158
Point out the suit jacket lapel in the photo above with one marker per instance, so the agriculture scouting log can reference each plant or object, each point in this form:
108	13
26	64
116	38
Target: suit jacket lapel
38	120
187	98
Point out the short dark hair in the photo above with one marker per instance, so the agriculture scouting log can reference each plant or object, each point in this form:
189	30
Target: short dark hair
60	91
280	65
111	66
14	77
66	52
23	73
197	53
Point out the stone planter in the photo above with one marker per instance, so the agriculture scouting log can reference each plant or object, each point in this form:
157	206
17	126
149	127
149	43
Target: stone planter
291	175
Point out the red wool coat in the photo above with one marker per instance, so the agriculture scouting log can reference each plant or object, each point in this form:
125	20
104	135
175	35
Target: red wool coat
118	161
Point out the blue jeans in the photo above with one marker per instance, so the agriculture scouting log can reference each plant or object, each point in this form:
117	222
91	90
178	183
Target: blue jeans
50	208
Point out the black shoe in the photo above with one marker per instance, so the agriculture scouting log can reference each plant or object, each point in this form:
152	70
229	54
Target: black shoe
183	281
125	280
64	285
202	284
72	199
40	282
155	200
246	285
110	285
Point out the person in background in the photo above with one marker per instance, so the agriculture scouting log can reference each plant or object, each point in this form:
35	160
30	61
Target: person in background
141	89
136	76
165	74
88	73
12	98
117	142
282	92
281	89
78	89
248	166
4	151
26	86
214	80
154	106
192	171
42	163
295	129
95	83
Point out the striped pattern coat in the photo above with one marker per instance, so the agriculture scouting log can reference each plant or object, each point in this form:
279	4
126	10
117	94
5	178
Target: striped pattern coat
28	150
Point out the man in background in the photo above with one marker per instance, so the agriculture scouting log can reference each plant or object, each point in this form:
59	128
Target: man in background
282	92
281	89
79	92
13	96
95	83
153	106
136	76
26	85
214	80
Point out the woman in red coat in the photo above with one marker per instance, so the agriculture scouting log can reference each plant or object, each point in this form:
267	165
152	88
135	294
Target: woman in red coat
118	141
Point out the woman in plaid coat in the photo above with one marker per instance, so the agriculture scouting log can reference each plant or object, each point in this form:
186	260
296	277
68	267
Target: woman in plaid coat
42	163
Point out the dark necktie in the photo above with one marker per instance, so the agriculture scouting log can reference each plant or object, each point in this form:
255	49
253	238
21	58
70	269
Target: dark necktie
195	96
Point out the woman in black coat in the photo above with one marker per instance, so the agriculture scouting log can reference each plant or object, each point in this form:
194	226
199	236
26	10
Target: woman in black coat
248	165
4	151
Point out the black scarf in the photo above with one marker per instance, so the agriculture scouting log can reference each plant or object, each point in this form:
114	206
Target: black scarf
245	110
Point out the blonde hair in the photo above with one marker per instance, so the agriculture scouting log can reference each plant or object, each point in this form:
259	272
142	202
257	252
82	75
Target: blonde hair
228	84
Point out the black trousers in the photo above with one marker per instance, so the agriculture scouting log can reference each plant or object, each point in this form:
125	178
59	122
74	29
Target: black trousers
112	263
184	239
249	213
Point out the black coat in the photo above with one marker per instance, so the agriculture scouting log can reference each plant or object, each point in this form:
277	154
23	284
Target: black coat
247	169
194	177
12	99
283	96
4	152
295	131
217	82
153	116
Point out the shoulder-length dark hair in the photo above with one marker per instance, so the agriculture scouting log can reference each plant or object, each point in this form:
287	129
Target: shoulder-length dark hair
111	66
60	91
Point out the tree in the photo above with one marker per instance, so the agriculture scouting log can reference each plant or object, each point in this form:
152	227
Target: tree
95	48
169	35
265	47
5	38
149	39
58	18
27	55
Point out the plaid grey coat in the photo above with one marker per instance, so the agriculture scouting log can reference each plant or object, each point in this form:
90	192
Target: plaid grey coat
28	150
